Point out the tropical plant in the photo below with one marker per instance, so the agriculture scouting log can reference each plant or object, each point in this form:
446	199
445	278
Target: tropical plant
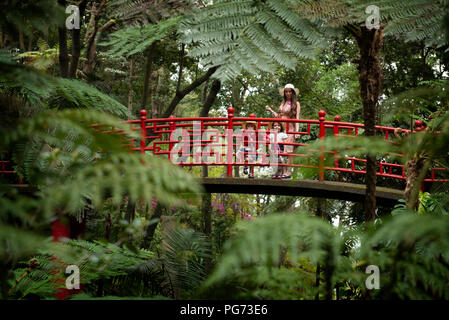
51	91
413	265
61	166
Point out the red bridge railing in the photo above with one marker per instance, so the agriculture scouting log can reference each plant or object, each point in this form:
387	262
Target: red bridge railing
216	141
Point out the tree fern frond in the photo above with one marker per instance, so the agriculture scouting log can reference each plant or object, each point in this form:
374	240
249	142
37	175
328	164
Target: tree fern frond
237	26
77	93
310	32
413	246
270	46
137	12
289	39
116	173
133	40
261	240
184	257
221	8
82	95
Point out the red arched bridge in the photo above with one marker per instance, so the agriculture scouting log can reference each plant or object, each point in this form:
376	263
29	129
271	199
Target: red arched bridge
226	142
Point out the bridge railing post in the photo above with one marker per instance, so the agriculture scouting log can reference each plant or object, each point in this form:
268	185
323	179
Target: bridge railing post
336	127
172	126
419	126
230	144
321	118
336	133
143	130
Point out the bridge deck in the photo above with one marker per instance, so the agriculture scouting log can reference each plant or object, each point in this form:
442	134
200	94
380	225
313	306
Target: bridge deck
306	188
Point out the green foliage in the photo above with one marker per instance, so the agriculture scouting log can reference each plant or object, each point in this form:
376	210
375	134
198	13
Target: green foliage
183	257
76	94
30	15
416	20
412	254
148	11
249	36
96	261
68	172
418	103
410	250
260	242
42	59
272	257
61	93
67	178
134	40
435	204
17	243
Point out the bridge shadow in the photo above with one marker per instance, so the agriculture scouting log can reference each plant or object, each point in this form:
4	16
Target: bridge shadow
304	188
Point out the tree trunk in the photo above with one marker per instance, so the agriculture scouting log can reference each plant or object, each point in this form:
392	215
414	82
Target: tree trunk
204	92
370	79
215	88
414	168
181	68
147	74
21	41
76	49
149	233
130	211
156	81
91	34
30	42
63	53
89	38
130	82
76	42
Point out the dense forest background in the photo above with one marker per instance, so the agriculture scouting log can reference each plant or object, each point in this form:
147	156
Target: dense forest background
142	228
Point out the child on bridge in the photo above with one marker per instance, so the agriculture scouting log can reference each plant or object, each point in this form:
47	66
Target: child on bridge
249	149
277	137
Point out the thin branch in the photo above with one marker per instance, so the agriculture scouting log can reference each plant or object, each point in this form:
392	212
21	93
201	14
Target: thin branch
181	65
180	95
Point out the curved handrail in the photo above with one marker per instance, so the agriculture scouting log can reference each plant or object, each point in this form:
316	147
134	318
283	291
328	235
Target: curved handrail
157	138
199	141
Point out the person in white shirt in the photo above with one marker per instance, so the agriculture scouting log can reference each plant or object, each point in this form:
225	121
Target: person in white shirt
277	137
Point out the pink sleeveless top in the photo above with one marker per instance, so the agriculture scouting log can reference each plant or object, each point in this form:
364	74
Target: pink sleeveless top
284	113
284	110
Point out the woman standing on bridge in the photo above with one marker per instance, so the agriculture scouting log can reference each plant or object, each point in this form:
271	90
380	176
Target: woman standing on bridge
289	109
